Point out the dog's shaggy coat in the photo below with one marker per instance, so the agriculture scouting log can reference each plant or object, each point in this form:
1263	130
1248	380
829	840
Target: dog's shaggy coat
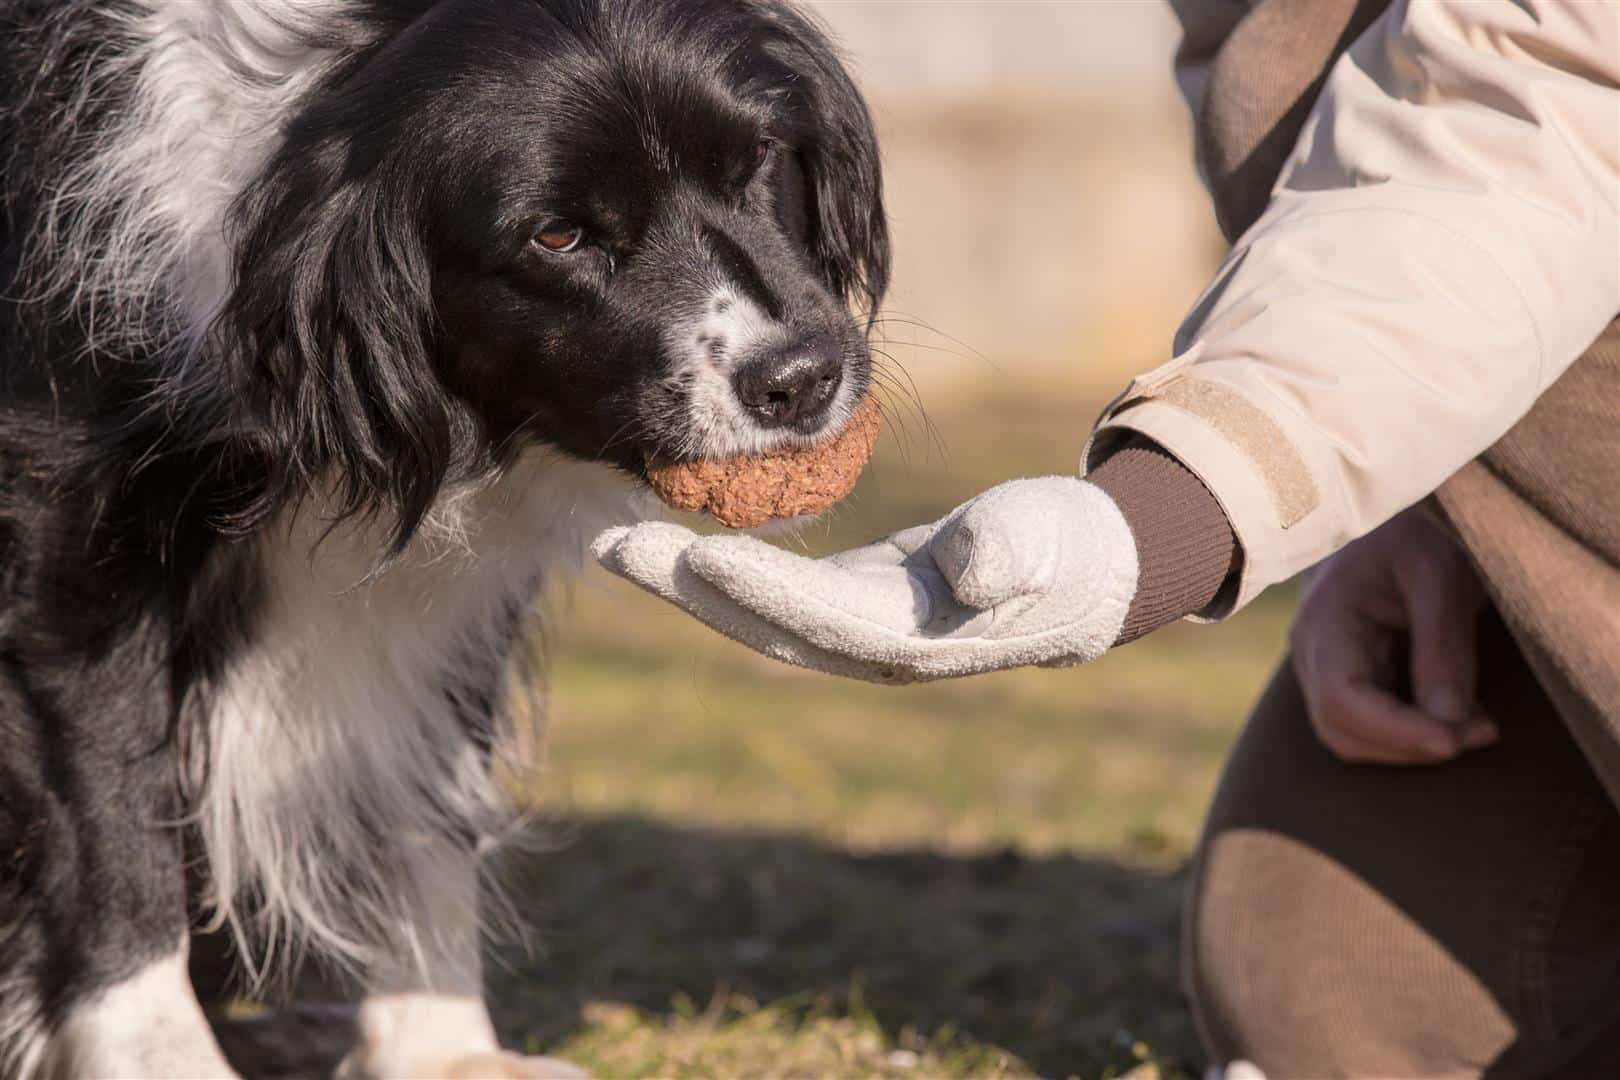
332	330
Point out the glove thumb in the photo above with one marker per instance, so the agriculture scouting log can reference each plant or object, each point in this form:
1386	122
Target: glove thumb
999	546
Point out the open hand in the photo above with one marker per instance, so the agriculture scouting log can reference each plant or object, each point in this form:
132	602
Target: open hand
1031	572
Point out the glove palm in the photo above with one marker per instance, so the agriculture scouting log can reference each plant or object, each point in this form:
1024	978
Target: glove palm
1035	571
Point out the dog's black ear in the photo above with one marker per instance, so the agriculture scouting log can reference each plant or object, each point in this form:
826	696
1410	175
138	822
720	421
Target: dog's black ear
839	154
331	326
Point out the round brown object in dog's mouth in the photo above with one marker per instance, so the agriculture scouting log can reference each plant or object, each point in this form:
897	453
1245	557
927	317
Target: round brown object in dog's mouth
743	492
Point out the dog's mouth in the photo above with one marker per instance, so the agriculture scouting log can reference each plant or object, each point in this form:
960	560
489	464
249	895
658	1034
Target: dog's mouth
759	413
747	490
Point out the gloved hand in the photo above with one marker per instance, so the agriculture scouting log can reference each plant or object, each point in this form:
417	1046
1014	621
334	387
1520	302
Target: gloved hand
1031	572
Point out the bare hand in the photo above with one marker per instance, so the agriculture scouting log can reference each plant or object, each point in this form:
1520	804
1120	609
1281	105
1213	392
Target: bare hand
1398	607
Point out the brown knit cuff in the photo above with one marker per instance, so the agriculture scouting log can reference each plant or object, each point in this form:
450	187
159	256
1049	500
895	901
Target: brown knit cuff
1184	546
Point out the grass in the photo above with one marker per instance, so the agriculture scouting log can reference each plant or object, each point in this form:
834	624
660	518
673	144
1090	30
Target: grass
753	871
762	872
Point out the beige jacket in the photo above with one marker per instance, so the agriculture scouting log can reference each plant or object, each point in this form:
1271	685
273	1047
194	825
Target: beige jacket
1442	244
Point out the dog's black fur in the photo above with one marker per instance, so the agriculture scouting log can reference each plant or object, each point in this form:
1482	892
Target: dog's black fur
390	330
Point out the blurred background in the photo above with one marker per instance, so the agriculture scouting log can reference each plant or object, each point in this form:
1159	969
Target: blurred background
761	872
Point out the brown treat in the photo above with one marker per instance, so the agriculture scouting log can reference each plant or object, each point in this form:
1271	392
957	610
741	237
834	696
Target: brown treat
743	492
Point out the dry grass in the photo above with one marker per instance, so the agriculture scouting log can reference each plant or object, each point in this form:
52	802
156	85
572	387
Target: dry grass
758	872
762	872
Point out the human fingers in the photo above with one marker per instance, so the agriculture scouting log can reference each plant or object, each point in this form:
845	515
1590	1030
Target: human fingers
1443	601
1344	660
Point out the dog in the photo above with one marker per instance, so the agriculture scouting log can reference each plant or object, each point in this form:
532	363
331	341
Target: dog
332	330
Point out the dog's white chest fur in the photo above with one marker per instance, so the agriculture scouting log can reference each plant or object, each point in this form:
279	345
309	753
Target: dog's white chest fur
336	752
140	220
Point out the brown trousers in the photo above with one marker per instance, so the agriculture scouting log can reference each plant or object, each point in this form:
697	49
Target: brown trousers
1454	921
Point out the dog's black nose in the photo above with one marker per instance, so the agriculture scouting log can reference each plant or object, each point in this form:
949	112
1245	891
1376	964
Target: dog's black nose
793	384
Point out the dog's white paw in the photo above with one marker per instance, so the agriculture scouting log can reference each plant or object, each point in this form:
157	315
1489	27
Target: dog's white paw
508	1066
423	1036
481	1065
1237	1070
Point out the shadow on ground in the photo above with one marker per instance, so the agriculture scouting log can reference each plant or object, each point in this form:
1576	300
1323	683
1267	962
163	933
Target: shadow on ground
1064	963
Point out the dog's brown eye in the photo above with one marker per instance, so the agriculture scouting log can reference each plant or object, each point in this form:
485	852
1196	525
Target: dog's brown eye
559	236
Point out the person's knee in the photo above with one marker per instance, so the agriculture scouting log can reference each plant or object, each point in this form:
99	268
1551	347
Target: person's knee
1248	971
1302	955
1299	966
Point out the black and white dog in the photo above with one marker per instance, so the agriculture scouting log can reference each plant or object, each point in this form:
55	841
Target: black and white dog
333	329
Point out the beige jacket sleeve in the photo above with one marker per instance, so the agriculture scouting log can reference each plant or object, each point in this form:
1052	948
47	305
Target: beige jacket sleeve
1442	244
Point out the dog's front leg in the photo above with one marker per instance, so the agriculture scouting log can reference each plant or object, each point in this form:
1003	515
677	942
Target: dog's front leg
147	1024
93	923
423	1014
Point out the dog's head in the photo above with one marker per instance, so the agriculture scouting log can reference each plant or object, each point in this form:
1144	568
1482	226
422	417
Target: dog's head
614	227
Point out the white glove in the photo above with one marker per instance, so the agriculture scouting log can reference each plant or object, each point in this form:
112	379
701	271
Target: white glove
1031	572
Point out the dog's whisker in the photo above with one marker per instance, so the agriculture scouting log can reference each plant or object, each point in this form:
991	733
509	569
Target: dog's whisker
932	444
627	432
888	315
896	376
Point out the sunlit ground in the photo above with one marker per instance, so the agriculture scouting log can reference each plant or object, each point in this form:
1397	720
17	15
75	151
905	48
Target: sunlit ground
746	870
763	872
